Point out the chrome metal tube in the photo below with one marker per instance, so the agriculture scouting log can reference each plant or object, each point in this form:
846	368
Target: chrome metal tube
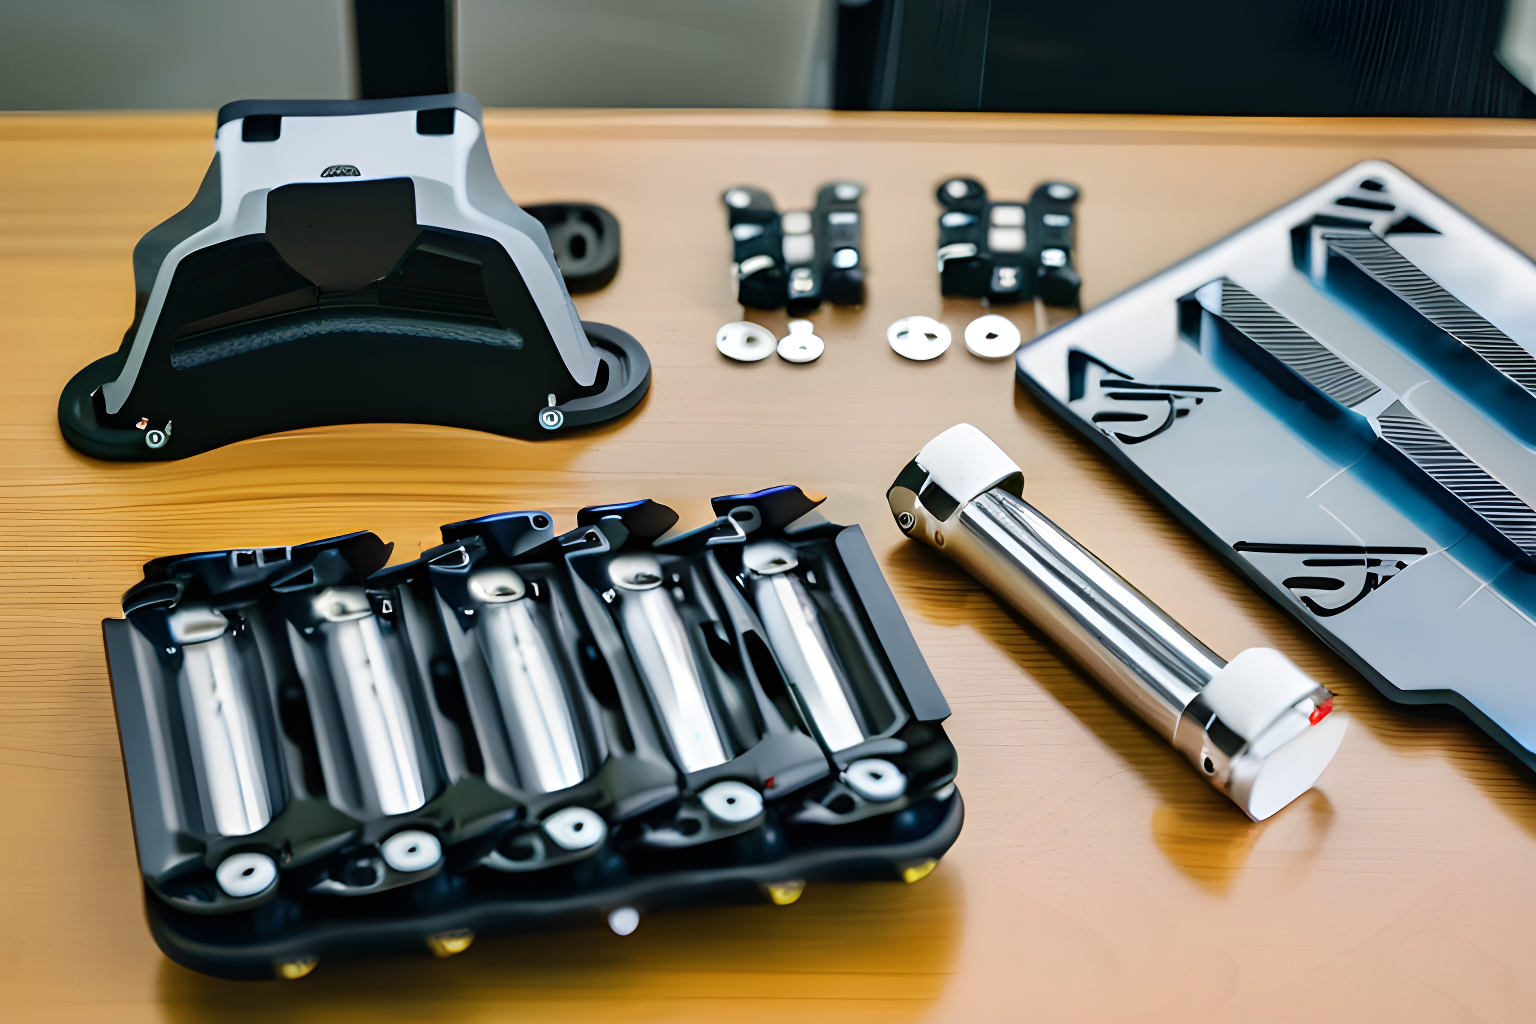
222	724
797	638
534	704
1149	661
373	702
659	642
1257	728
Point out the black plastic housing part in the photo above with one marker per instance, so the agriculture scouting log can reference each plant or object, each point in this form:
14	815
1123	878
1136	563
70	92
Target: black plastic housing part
483	649
585	238
1008	251
329	294
231	389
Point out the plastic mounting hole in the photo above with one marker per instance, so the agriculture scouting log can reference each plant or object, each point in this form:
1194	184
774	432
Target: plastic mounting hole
1210	769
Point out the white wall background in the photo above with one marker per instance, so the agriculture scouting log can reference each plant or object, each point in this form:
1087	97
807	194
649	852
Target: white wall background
199	54
100	54
647	53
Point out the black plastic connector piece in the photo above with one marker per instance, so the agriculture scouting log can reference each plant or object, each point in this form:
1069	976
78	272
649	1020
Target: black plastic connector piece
1008	251
797	260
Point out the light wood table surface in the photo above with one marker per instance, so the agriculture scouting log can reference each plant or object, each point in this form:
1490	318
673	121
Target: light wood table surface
1097	879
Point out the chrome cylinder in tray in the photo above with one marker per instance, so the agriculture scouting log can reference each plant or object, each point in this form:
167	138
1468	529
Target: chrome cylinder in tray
221	716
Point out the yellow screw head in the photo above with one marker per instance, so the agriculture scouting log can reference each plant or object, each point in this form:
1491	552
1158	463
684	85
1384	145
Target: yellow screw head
293	970
784	893
918	872
445	944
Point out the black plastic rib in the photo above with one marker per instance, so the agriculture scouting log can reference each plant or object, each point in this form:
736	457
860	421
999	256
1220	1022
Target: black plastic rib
1435	455
1294	347
1393	270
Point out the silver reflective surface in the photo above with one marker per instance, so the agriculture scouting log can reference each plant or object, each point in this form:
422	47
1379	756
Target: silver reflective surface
374	703
1305	492
659	641
795	633
1161	667
225	739
534	705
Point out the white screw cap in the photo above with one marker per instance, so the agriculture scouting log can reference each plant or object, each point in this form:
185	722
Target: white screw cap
800	345
246	874
732	801
875	779
575	828
411	850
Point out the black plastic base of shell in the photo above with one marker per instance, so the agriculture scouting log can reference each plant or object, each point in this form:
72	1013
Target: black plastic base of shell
254	945
585	238
303	714
336	378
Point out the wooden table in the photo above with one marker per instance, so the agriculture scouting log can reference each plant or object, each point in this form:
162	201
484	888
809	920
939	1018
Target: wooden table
1097	877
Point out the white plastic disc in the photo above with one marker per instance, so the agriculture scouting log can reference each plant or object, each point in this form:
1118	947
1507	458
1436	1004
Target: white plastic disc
575	828
800	345
745	341
732	802
991	337
624	920
876	779
246	874
411	850
918	337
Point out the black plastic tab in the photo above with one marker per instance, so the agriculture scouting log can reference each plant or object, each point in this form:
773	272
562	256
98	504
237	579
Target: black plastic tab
916	679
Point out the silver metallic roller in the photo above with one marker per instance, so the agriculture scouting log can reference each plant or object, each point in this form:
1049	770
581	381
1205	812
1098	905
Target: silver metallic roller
1257	728
534	704
796	635
221	723
373	701
658	639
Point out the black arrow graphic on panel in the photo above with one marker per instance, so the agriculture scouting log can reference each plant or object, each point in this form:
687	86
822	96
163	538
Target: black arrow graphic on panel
1118	387
1380	565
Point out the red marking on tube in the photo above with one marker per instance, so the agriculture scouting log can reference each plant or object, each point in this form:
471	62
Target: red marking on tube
769	783
1321	711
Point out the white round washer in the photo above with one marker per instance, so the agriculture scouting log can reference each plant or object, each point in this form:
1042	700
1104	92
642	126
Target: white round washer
411	850
918	337
246	874
745	341
875	779
800	345
575	828
992	337
732	801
